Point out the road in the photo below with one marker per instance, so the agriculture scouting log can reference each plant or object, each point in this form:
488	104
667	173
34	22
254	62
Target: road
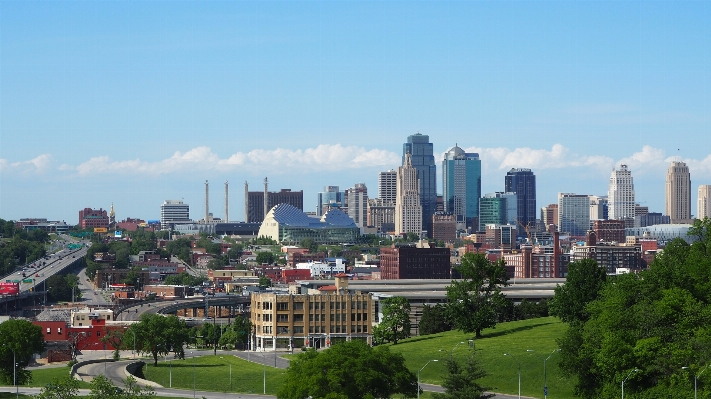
88	294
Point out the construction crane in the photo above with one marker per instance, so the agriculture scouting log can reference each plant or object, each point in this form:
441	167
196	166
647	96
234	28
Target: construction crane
527	228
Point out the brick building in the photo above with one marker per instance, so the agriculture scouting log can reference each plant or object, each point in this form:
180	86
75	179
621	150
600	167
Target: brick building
93	218
415	263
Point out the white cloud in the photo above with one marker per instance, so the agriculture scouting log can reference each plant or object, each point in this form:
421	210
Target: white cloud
557	157
334	157
37	165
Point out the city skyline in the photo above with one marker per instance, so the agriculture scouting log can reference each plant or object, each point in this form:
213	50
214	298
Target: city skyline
137	103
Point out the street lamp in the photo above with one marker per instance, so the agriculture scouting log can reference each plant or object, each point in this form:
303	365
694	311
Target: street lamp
14	372
193	374
696	376
230	373
519	373
623	381
264	369
418	376
134	342
545	385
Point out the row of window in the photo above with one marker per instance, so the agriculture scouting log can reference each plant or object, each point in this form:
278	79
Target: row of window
284	318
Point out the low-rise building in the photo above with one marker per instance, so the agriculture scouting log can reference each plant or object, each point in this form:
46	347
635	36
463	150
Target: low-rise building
414	263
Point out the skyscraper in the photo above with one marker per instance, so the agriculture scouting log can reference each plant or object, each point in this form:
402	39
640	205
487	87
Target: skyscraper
573	214
523	183
172	211
492	210
704	210
330	197
387	186
358	204
422	159
461	186
620	194
408	208
678	193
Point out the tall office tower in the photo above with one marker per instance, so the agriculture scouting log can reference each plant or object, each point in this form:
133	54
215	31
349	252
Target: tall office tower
573	214
620	194
422	159
173	211
678	193
523	183
461	186
704	210
492	210
599	209
358	204
255	202
549	215
408	208
387	186
328	199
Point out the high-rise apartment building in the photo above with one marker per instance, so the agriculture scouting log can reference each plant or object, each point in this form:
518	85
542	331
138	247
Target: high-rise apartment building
620	194
678	193
461	186
173	211
331	197
358	204
492	210
408	208
523	183
573	214
422	159
704	205
387	186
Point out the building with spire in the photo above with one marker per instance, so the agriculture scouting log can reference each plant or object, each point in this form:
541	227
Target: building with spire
678	193
461	187
620	195
422	159
408	208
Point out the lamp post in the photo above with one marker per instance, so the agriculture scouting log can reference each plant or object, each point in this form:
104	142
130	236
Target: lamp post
14	372
696	376
519	373
418	376
623	381
264	369
134	343
193	374
545	385
230	373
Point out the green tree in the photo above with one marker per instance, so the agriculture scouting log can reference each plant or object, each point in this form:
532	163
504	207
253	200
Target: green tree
60	388
235	252
265	257
216	264
19	341
58	288
310	244
475	301
264	282
582	285
434	320
395	324
159	335
103	388
460	382
348	370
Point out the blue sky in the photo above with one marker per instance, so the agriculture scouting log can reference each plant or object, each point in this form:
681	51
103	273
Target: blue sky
132	103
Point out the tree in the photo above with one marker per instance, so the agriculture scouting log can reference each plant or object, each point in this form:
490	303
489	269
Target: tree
264	282
265	257
60	388
159	335
434	320
58	288
348	370
216	264
19	341
460	382
103	388
235	251
395	324
475	301
582	285
310	244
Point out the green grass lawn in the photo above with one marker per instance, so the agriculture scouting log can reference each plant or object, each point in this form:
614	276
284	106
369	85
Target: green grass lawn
515	338
539	335
212	373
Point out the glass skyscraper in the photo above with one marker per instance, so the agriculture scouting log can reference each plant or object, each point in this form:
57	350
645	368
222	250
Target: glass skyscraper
523	183
461	186
422	158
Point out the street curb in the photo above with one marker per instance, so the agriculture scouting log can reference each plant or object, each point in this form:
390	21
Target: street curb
130	370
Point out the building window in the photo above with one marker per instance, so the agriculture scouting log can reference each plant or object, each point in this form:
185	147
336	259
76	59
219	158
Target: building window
59	330
298	306
283	306
49	330
283	318
298	318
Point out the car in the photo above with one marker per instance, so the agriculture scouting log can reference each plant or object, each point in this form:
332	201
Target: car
36	274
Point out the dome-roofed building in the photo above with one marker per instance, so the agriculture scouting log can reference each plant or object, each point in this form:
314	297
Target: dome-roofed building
289	225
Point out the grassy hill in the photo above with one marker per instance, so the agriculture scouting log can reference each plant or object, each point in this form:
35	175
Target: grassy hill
516	338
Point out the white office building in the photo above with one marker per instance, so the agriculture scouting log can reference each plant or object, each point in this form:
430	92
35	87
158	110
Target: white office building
620	195
173	211
387	186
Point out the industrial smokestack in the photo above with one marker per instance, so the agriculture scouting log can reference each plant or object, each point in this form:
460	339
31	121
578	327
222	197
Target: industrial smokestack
207	201
246	202
266	197
227	202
